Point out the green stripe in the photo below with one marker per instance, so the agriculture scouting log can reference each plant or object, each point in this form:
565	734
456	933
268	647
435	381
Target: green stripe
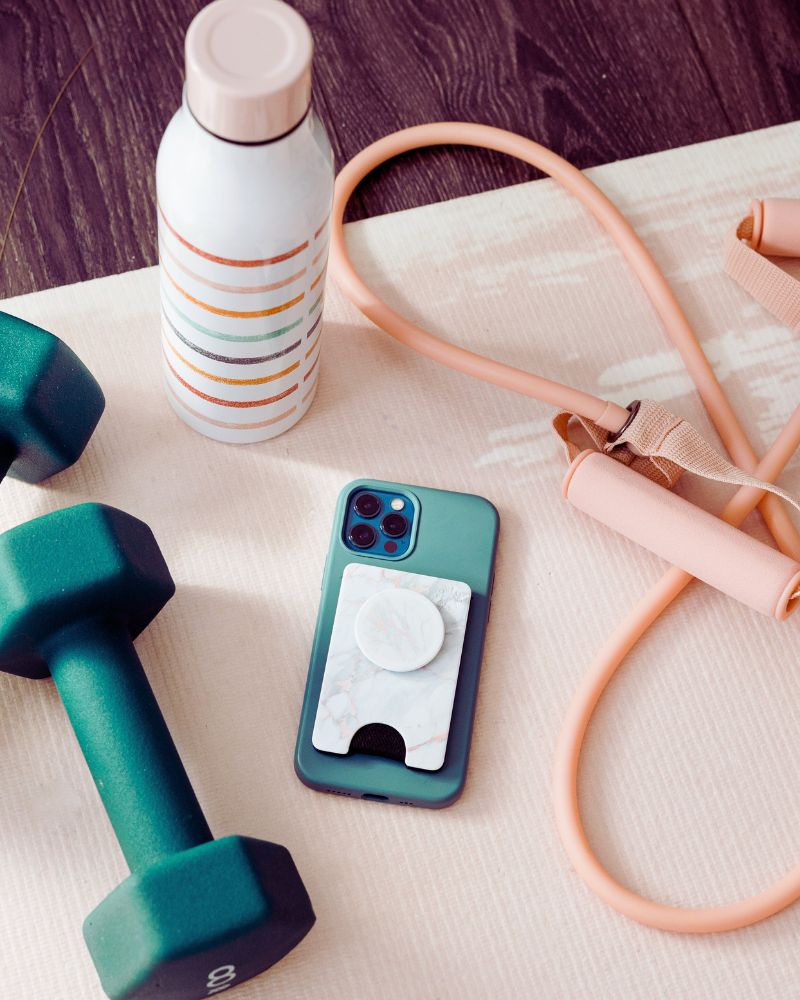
311	310
229	336
221	357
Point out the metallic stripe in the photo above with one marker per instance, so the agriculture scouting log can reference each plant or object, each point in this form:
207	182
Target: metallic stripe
317	280
233	313
232	338
238	404
314	325
225	423
231	262
322	226
311	388
231	289
233	381
314	346
222	357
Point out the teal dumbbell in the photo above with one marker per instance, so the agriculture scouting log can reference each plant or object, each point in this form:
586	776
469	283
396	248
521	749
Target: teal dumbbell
196	916
49	402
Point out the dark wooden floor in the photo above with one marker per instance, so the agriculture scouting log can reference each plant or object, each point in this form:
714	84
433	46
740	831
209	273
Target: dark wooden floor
596	80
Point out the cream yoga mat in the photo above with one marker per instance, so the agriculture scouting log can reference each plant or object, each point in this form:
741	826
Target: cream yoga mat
690	775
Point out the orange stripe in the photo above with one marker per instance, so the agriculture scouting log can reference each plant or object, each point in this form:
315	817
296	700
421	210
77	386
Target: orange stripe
317	280
324	224
232	289
230	261
314	346
317	256
311	369
232	381
238	404
227	424
312	387
235	313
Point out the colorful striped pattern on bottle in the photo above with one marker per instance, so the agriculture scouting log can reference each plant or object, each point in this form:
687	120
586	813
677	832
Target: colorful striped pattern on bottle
241	339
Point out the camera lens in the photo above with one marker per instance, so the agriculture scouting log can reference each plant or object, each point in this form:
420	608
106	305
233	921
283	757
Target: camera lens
363	536
394	525
367	505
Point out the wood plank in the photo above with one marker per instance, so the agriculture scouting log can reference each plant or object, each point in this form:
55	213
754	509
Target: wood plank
595	81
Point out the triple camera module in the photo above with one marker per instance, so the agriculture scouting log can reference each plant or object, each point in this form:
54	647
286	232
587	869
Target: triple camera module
382	521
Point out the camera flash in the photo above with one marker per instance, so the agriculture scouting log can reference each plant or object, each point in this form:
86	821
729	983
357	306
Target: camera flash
398	504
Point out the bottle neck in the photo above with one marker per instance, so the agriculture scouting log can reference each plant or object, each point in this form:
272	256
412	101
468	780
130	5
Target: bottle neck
302	124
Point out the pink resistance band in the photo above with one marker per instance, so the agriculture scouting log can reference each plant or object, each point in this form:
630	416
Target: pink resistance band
770	229
611	417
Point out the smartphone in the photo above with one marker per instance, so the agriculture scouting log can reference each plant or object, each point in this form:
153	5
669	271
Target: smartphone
364	717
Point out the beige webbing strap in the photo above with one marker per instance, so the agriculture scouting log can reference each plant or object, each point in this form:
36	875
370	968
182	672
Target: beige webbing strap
769	284
661	471
661	446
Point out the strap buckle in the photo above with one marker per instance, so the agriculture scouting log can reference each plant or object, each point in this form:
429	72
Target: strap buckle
633	409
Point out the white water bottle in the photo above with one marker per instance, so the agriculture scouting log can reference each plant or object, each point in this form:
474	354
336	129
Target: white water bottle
244	181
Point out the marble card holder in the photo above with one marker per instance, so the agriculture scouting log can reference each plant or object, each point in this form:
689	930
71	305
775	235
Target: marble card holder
394	657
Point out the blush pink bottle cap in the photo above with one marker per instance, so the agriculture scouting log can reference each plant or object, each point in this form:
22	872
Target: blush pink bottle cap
248	69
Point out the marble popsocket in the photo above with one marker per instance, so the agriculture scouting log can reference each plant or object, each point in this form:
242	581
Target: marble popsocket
393	658
399	629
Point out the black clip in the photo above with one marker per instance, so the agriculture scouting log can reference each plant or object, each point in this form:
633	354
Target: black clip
633	409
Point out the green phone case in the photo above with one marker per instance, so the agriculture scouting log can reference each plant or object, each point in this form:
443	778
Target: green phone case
455	538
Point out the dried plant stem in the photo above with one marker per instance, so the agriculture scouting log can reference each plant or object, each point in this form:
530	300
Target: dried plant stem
35	146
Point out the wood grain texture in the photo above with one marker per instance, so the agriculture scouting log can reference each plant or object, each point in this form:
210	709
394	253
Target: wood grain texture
596	81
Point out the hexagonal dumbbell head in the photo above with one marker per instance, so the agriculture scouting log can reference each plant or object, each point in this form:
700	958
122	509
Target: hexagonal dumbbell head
49	402
199	922
196	916
77	563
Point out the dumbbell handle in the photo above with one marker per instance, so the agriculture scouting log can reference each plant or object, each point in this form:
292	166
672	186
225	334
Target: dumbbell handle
125	740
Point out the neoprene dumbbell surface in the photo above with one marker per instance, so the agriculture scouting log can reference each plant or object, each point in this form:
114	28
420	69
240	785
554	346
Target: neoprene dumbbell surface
196	915
49	402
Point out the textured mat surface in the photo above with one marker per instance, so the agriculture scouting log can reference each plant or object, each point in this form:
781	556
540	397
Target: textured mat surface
690	776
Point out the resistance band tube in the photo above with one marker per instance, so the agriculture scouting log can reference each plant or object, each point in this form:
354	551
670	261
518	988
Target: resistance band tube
611	417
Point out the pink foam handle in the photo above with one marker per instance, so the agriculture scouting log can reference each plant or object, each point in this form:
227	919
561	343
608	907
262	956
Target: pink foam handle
685	535
776	227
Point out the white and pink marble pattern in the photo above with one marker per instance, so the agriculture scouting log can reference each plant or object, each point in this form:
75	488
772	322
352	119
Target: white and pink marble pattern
357	692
